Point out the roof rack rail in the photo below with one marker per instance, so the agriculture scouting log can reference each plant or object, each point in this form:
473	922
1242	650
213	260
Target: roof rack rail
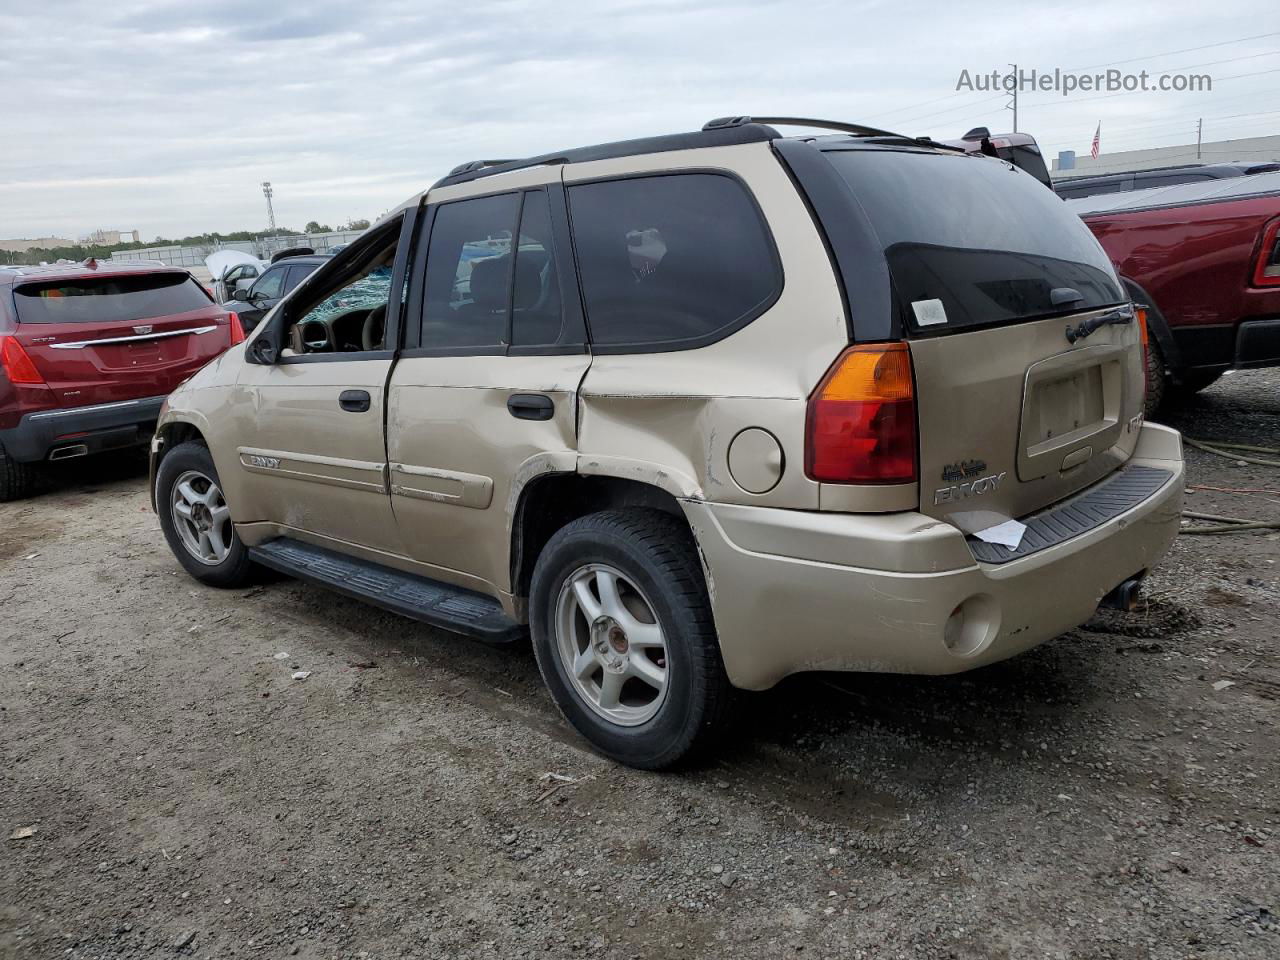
721	123
746	132
473	165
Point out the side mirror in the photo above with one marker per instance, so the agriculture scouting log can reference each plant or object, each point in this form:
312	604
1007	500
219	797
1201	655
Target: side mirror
263	351
241	294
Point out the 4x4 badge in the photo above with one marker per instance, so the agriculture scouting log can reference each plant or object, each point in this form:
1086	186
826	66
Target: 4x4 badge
974	488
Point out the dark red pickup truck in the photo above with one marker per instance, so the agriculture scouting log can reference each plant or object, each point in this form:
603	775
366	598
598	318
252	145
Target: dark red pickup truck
1205	258
88	353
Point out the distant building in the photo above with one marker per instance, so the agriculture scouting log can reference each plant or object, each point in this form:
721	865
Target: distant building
1246	150
39	243
111	237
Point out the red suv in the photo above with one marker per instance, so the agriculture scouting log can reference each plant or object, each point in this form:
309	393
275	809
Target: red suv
88	353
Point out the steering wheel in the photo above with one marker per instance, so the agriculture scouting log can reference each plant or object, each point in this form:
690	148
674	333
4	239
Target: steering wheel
373	333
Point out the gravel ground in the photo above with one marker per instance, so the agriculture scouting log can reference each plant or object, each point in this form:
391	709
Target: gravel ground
1106	795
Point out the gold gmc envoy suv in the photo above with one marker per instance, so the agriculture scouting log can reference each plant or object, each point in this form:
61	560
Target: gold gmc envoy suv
696	412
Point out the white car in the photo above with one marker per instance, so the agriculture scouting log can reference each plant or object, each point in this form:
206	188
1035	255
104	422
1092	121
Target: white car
233	270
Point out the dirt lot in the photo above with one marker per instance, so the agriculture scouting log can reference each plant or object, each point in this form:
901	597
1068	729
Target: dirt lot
1103	796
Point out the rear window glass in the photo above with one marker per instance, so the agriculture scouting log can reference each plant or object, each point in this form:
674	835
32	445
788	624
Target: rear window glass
971	241
108	299
671	261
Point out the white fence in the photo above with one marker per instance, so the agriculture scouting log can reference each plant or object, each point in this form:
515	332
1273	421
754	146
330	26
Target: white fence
193	257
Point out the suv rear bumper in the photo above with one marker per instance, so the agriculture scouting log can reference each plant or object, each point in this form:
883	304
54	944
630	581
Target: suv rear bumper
104	426
794	591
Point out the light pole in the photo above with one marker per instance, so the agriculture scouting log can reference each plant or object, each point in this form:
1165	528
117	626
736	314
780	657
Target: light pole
271	214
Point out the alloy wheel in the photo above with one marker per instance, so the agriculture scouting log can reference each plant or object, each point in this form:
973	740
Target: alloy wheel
611	646
201	517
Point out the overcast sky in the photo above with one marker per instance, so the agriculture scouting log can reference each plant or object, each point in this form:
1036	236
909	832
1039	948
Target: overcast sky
166	116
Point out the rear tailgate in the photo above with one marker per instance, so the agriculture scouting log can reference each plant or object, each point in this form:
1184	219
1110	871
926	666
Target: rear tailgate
1014	418
1022	399
102	339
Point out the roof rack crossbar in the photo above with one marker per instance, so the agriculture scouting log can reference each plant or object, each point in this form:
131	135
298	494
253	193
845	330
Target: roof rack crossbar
858	129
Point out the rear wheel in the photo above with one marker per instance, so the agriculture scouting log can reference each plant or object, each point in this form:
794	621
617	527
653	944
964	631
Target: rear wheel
196	520
1157	378
624	637
17	480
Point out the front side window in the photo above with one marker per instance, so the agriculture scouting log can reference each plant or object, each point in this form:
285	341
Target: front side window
270	286
468	281
671	261
347	312
108	299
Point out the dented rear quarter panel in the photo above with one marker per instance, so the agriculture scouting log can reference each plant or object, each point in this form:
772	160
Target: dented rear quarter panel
668	418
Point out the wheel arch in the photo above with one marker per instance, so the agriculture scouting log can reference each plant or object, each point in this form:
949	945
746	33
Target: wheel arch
169	434
551	500
1157	325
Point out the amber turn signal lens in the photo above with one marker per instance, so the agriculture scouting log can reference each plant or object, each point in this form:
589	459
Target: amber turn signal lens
862	418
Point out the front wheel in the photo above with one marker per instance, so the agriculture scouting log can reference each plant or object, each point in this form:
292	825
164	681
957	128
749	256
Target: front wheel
624	637
196	520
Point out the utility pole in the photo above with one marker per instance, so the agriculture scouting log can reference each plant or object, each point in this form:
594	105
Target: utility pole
1199	131
271	214
1014	93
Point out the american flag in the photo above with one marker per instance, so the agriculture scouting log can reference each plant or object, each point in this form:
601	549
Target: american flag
1097	134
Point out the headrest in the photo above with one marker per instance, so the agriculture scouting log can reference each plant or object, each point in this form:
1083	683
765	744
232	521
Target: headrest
489	282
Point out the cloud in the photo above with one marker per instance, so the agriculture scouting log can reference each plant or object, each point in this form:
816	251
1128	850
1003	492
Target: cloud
167	116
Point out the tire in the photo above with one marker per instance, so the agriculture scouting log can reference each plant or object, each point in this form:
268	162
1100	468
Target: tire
226	562
660	595
17	480
1157	379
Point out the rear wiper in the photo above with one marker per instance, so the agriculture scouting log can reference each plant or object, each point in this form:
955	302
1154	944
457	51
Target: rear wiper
1118	316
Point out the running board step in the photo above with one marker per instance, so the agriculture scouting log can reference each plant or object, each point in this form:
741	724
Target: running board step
438	604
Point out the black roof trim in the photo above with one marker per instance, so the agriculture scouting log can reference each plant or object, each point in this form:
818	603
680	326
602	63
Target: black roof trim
858	129
719	137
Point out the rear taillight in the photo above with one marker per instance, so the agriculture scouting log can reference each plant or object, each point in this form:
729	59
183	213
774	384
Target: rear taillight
17	365
237	328
862	418
1267	273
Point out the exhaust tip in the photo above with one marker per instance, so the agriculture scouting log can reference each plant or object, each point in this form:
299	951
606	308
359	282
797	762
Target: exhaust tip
67	453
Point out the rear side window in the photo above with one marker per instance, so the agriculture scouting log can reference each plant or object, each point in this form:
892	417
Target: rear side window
108	299
670	262
297	274
1069	192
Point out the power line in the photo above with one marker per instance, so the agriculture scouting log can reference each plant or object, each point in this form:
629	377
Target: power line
922	103
1170	53
1173	121
939	113
1129	93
